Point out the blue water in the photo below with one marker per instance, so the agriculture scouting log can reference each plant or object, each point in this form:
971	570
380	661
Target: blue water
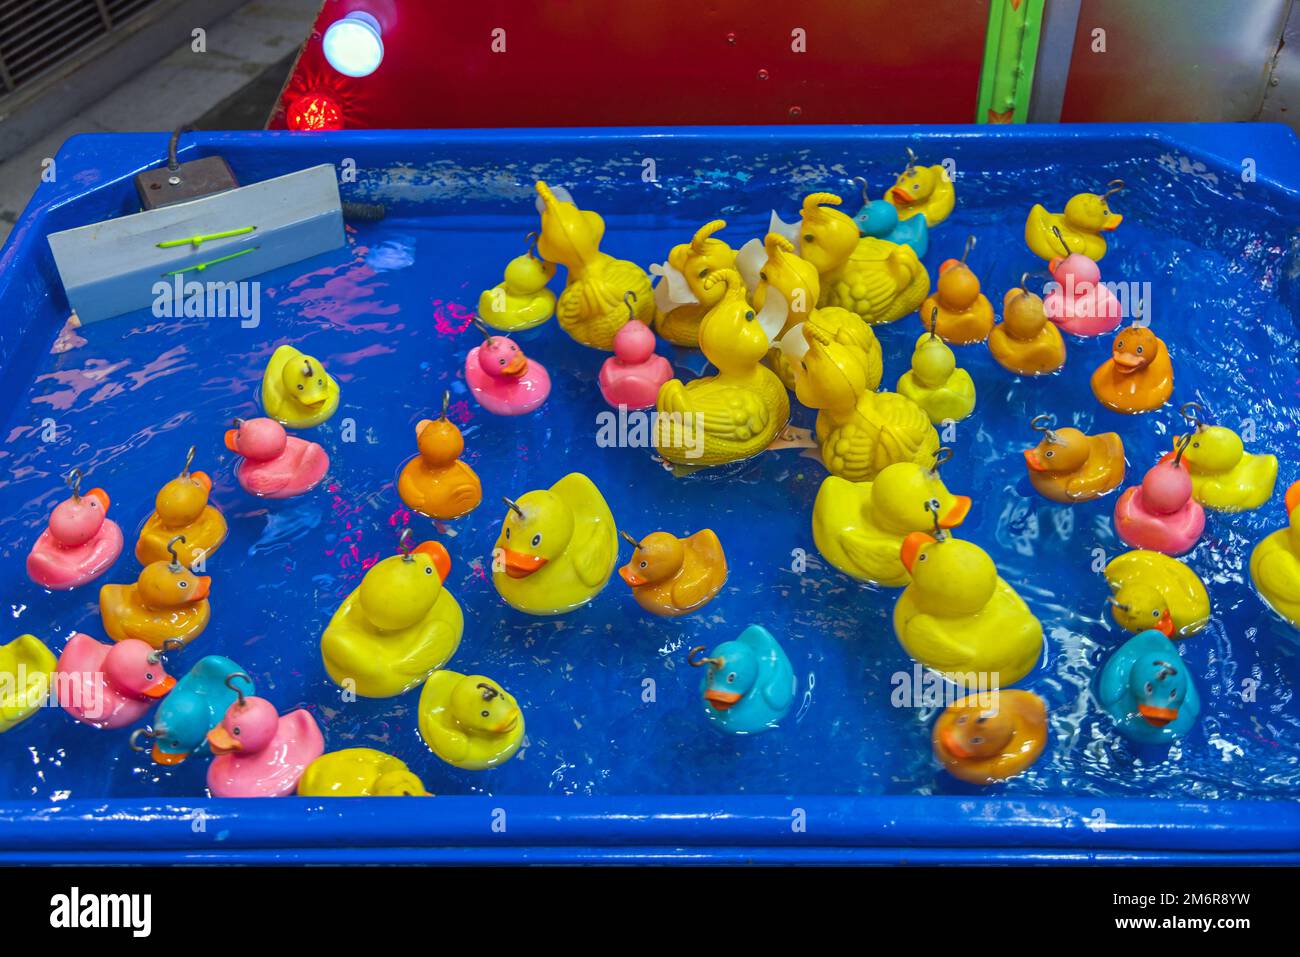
610	703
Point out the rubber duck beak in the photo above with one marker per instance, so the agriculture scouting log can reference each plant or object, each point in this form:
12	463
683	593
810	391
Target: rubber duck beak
1157	716
901	195
222	742
203	480
166	757
1292	498
519	565
912	546
1033	461
505	727
201	589
439	555
421	426
957	514
630	576
951	744
100	496
1055	264
1166	624
232	439
161	688
1128	363
721	700
518	367
1112	222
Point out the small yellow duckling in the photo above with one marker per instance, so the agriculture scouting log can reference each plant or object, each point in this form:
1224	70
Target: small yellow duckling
673	576
1086	217
773	265
859	527
359	772
922	190
1225	477
26	666
296	389
681	298
469	721
1152	590
591	307
957	616
181	509
945	392
1275	563
167	601
557	548
879	280
738	412
1026	342
397	626
860	431
521	300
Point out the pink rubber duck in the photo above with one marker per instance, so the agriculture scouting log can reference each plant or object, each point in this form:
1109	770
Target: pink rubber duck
109	686
502	378
79	544
1080	304
260	753
276	464
632	376
1160	514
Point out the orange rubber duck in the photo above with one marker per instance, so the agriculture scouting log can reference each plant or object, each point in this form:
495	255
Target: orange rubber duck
1025	342
1069	466
965	314
181	509
167	602
436	482
673	576
987	738
1138	376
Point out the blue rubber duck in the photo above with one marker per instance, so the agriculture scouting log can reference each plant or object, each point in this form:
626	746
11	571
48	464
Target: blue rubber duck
749	685
195	706
880	219
1146	688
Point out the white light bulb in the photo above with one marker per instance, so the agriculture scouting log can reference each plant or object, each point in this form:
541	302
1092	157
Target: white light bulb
354	45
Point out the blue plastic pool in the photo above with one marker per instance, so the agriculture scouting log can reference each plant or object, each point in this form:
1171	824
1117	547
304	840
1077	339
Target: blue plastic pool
611	770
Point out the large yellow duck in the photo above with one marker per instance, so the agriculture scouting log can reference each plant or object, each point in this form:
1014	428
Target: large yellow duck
1080	226
26	666
557	548
296	389
773	267
879	280
860	431
397	626
591	307
923	190
957	616
359	772
1225	477
738	412
859	527
469	721
682	299
1275	563
181	508
167	601
1152	590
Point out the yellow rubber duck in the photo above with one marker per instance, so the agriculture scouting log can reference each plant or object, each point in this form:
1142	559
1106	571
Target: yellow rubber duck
296	389
181	509
591	307
860	431
1080	226
681	298
773	265
922	190
1152	590
945	392
167	601
1275	563
957	616
1225	477
859	527
958	312
521	300
984	739
470	721
1026	342
436	482
397	626
26	667
557	548
736	413
359	772
673	576
879	280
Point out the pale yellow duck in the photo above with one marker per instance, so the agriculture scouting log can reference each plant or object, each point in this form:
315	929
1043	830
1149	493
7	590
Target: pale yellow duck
591	308
773	266
681	299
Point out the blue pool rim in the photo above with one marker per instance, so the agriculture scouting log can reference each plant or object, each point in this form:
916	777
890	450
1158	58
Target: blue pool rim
659	829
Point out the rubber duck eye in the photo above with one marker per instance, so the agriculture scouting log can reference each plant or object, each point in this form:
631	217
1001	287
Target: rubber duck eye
915	187
299	386
1150	687
704	272
1155	613
731	678
980	720
1139	350
537	539
763	276
182	584
1119	344
507	533
922	558
501	361
235	731
428	570
977	740
148	676
643	564
749	314
810	238
1173	694
1048	454
320	381
483	713
1196	445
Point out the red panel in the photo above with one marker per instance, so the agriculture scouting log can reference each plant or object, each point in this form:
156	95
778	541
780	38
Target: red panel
658	62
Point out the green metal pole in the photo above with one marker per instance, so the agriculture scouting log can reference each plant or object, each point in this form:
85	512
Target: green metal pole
1010	53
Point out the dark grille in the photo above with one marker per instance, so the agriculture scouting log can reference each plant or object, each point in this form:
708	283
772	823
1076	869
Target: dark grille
37	34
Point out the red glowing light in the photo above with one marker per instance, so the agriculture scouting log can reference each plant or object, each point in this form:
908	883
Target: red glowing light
314	111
